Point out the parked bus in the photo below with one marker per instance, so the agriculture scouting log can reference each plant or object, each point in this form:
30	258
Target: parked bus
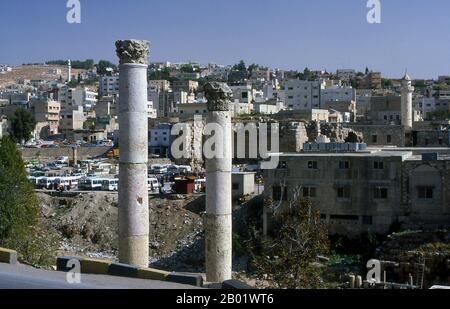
158	169
153	184
46	182
110	184
91	183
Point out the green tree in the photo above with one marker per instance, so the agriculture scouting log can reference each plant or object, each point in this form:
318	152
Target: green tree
20	226
103	65
287	258
240	66
441	86
22	124
439	114
387	83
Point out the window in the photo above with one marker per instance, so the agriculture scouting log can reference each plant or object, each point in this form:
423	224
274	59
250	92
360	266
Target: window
344	165
278	194
389	139
425	192
380	193
343	192
309	192
378	165
312	165
367	220
374	139
235	186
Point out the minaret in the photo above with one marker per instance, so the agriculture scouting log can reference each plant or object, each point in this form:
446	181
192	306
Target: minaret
407	111
69	67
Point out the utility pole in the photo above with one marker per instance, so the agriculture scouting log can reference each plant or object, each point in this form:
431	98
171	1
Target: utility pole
133	189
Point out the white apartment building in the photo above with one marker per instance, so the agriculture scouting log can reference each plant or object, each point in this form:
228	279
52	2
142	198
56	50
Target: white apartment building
160	139
303	95
71	98
337	93
431	104
244	94
109	85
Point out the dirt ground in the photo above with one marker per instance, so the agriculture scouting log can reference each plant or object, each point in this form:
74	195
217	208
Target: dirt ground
87	224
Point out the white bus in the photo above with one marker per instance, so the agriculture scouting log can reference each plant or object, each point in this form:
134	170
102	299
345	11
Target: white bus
35	180
153	184
46	182
91	183
68	182
158	169
110	184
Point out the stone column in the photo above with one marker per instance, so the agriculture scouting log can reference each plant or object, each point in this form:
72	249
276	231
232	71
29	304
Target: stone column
218	220
133	138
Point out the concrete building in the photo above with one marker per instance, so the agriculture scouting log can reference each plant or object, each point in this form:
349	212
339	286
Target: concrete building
84	97
337	93
159	85
428	105
189	110
47	114
160	139
243	94
346	75
188	86
109	85
107	106
369	81
72	98
385	109
303	95
242	184
365	191
71	119
268	108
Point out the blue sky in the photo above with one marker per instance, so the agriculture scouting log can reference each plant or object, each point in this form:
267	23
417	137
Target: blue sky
289	34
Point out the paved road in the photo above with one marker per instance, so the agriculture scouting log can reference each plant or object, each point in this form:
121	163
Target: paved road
24	277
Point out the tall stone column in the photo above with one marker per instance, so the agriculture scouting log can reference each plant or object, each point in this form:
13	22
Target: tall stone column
133	139
218	219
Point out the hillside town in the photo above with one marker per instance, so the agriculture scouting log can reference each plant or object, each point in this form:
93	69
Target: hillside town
371	152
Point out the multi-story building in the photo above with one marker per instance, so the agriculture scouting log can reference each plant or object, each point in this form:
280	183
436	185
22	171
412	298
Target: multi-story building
346	75
72	98
337	93
107	106
369	81
159	85
71	119
364	191
385	109
47	114
160	139
303	95
109	85
188	86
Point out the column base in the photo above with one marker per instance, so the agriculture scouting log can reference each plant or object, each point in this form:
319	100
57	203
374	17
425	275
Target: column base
134	250
218	246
